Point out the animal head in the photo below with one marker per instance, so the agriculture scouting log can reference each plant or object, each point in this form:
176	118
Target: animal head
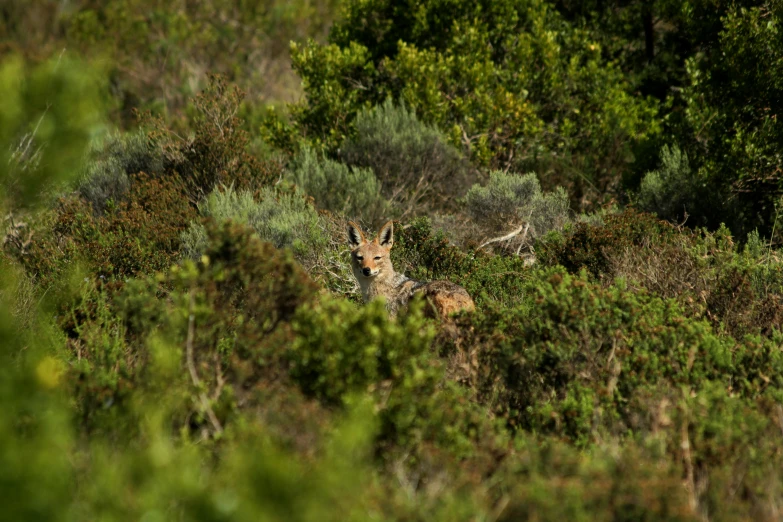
370	259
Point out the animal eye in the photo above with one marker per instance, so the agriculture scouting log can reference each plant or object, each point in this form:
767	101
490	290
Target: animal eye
377	258
359	258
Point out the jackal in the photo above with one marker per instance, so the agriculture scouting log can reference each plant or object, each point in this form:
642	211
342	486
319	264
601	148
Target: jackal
373	269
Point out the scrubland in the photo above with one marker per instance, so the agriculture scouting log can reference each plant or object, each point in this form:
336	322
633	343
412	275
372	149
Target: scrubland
181	334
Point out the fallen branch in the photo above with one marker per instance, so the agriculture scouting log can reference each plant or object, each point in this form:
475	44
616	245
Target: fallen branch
508	236
524	228
524	236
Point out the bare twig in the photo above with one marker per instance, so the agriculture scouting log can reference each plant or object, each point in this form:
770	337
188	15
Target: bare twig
685	446
524	236
192	366
218	378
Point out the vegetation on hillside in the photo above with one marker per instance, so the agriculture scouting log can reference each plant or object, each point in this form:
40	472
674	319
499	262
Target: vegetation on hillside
181	336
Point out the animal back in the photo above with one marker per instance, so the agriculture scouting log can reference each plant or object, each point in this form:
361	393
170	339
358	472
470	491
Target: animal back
445	297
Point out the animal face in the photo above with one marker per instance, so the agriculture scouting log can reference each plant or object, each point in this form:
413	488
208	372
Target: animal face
370	259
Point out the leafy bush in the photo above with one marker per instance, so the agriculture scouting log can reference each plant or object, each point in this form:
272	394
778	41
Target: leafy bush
217	153
674	191
341	350
732	124
49	114
287	220
140	235
106	180
417	168
578	333
509	201
141	214
737	289
283	219
591	246
514	85
351	191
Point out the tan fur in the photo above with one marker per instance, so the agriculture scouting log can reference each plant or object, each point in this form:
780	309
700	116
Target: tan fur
372	267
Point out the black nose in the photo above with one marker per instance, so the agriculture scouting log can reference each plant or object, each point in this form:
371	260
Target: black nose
366	271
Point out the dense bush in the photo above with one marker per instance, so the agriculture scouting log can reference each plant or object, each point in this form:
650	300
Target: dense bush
352	191
510	201
673	191
734	123
580	333
509	82
285	219
106	181
714	65
590	246
141	234
417	168
139	193
737	288
217	153
592	364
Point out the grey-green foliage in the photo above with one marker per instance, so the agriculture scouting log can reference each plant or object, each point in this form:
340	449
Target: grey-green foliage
510	200
673	189
105	178
285	220
417	167
352	191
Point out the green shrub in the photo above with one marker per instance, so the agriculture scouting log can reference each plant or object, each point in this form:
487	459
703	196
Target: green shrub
106	180
49	114
217	153
425	255
351	191
730	123
591	247
738	290
140	235
283	219
674	191
143	193
583	361
512	83
340	349
509	201
417	168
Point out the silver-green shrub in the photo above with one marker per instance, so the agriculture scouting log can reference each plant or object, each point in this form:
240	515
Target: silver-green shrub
512	202
417	168
351	191
675	190
111	161
287	220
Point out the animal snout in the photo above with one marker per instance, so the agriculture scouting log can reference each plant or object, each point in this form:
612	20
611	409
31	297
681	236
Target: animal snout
366	271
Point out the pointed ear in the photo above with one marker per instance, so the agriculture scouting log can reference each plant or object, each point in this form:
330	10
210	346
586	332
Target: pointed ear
355	235
386	236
